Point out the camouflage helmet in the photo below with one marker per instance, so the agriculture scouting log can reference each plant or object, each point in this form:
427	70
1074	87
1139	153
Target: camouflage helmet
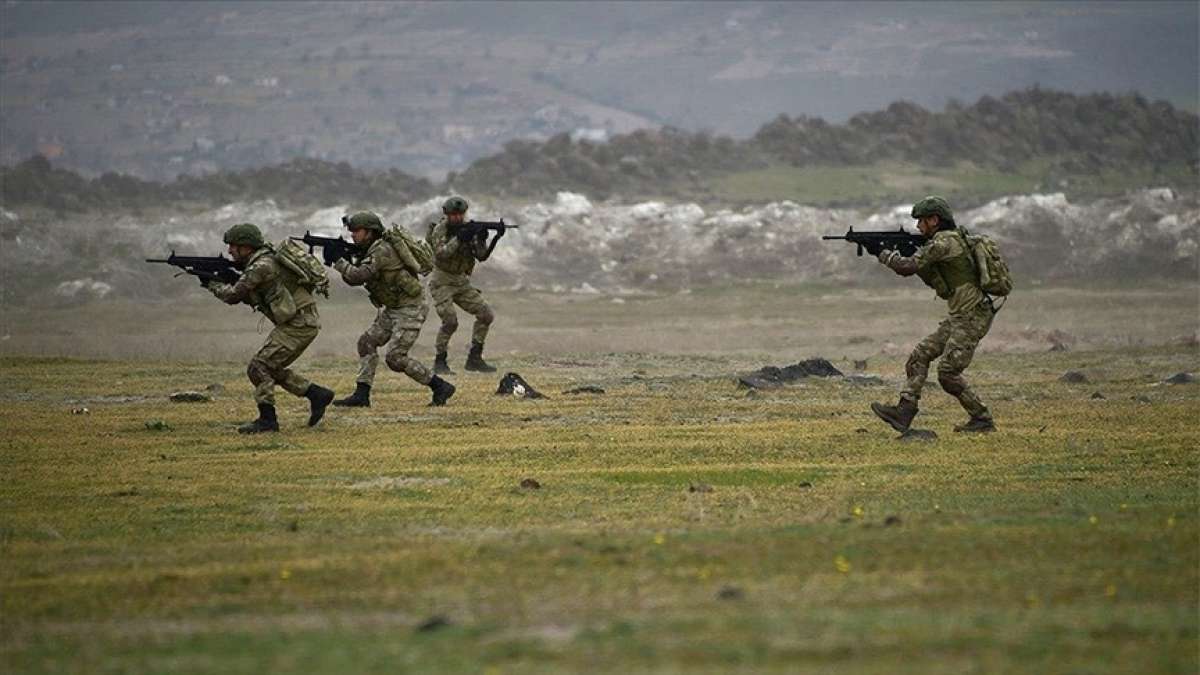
933	206
454	205
363	220
245	234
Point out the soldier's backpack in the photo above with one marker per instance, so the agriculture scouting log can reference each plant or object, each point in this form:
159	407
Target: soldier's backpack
415	254
306	266
994	277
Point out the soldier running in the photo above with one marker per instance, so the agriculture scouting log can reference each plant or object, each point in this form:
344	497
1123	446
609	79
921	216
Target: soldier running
270	288
398	295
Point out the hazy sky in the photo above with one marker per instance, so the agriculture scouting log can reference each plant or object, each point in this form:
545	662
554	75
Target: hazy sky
429	86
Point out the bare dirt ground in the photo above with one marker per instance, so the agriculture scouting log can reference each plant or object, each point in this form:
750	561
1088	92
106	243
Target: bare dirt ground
743	324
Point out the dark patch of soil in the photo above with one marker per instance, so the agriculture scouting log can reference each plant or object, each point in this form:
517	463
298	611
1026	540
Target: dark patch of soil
773	376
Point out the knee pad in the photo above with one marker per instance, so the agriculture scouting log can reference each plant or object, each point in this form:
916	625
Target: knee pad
449	322
952	383
366	345
485	317
397	361
258	372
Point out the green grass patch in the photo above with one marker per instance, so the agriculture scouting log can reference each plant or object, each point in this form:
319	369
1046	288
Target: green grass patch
401	537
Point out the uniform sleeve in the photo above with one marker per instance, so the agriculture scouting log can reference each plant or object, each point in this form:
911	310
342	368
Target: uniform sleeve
357	275
939	248
444	246
935	251
252	278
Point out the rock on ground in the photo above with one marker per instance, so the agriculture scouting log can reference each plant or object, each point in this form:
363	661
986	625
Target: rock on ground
513	384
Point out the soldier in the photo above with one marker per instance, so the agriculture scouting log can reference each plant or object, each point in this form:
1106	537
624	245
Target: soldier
275	291
945	264
402	311
454	256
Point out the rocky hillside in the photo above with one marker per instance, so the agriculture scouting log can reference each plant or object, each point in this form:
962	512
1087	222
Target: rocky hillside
571	244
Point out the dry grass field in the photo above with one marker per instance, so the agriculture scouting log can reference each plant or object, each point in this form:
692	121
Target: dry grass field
682	524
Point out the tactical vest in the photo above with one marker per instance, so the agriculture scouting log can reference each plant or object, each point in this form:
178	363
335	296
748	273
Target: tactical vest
392	285
462	261
279	297
946	275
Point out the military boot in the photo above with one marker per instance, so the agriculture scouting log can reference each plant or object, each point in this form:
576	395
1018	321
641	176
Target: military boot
266	421
475	361
440	366
319	399
361	398
976	425
900	416
442	390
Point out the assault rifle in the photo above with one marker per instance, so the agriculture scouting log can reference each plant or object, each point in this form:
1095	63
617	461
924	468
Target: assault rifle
218	268
875	242
332	248
474	228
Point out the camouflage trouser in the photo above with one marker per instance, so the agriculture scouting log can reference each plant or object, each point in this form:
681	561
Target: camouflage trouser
448	292
956	338
284	345
398	329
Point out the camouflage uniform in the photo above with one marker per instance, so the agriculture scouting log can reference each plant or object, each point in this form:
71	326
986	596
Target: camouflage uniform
271	289
450	284
402	311
945	265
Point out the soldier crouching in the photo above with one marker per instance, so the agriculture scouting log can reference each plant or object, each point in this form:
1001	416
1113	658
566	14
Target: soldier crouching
398	295
270	288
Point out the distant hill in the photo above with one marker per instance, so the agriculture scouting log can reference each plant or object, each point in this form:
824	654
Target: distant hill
36	182
156	89
1022	141
1077	135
